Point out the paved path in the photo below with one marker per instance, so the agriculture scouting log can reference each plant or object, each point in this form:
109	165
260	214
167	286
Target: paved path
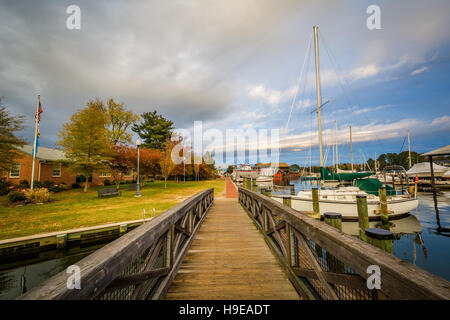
231	190
229	259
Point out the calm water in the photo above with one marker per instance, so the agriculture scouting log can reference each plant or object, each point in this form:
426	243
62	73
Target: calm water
423	237
20	276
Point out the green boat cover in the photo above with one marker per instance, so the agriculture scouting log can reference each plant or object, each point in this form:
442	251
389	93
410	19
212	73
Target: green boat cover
371	186
326	174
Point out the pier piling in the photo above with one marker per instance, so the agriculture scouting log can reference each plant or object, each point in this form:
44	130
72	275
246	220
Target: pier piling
380	238
383	205
287	201
333	219
315	199
363	216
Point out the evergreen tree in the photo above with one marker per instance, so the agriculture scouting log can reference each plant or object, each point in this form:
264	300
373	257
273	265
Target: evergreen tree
154	130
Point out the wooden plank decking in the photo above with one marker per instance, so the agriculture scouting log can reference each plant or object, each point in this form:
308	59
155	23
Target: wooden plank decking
229	259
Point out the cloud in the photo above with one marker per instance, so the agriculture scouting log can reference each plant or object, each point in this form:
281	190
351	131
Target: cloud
364	110
364	72
271	96
443	121
375	131
420	70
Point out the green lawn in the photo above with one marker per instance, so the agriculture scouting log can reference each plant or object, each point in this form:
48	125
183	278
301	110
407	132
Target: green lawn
74	209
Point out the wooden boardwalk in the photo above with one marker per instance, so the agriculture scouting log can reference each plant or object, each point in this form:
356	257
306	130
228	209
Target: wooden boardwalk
229	259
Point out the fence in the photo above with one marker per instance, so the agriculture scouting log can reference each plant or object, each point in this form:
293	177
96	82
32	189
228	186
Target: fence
324	263
139	265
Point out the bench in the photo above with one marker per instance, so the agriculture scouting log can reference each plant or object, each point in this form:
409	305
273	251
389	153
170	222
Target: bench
108	192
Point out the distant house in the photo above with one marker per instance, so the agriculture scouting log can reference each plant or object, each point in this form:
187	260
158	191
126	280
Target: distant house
50	165
270	169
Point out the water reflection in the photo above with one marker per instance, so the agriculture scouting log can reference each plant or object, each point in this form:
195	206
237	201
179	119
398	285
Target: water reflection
17	277
421	238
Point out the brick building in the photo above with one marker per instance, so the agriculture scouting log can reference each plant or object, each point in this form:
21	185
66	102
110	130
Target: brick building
50	166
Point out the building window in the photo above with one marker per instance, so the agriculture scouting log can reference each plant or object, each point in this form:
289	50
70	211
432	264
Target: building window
56	170
129	174
15	171
105	174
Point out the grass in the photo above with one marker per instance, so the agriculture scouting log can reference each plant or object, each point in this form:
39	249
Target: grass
74	209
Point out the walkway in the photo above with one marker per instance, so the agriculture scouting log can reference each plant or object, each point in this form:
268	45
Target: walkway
229	259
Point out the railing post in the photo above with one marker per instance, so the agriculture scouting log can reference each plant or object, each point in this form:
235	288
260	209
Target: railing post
292	246
363	216
334	219
266	220
191	221
169	255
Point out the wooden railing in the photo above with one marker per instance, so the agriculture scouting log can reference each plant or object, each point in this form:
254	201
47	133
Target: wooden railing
139	265
324	263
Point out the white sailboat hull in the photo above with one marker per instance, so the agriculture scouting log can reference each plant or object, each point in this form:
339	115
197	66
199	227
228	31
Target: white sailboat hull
349	210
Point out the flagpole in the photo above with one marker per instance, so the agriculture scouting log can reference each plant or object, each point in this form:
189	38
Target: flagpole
35	139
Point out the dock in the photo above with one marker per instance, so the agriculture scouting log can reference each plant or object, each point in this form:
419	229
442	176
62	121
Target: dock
229	259
242	245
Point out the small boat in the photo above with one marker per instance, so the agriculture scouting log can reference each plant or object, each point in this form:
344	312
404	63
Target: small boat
343	201
343	198
264	179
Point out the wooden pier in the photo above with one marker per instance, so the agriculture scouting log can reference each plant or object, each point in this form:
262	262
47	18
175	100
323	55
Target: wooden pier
230	260
250	247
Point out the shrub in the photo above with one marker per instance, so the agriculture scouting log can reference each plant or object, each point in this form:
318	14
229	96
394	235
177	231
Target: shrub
41	195
48	184
55	188
76	185
24	184
5	186
37	184
15	196
106	182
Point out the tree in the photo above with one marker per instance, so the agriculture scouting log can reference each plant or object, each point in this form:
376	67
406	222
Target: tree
154	130
120	120
122	162
9	125
85	139
149	163
166	163
294	167
230	169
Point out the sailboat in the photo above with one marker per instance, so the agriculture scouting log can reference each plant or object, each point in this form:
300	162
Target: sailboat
343	199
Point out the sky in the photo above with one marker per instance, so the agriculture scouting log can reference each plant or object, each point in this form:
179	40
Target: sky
236	64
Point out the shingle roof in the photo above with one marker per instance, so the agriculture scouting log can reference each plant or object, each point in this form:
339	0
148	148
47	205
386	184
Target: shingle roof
438	152
47	154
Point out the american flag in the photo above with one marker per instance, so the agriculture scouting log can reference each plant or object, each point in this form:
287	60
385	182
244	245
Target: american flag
38	119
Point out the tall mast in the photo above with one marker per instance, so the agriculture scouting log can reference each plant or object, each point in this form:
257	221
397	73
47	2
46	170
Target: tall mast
351	148
336	144
409	151
319	119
